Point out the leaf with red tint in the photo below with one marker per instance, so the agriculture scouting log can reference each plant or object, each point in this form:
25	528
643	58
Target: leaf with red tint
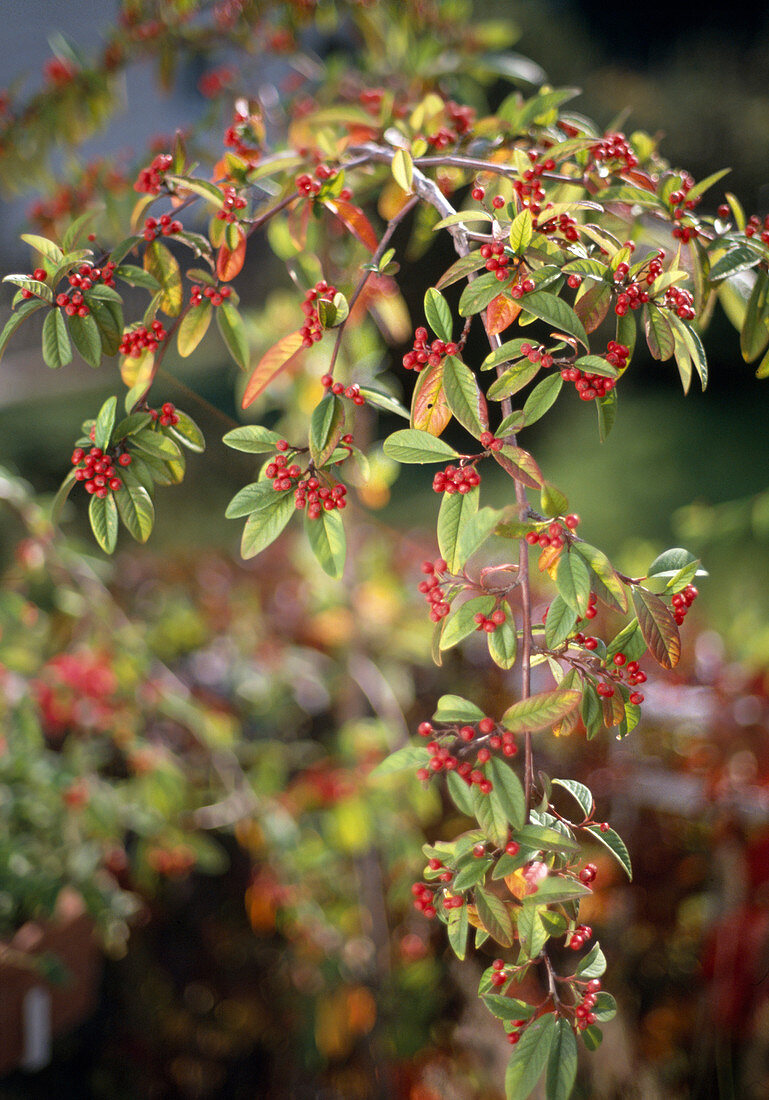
658	627
356	221
592	306
429	408
500	314
271	364
229	262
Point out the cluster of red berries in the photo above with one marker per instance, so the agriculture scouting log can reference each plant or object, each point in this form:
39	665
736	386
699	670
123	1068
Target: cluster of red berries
166	416
529	189
432	590
59	72
461	119
615	148
580	936
137	341
340	390
442	758
500	976
309	187
525	286
753	224
490	624
150	180
682	601
456	479
39	275
632	295
496	258
681	301
497	202
537	354
684	233
312	330
563	224
231	202
588	873
554	535
370	100
491	442
240	135
215	81
215	294
655	267
680	197
164	226
591	386
96	470
583	1013
423	899
422	355
621	669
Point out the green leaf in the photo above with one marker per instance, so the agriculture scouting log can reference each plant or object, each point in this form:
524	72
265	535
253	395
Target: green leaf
206	190
508	790
475	532
494	916
108	316
555	890
460	793
264	526
455	512
755	330
671	562
156	444
57	350
461	620
629	641
105	422
521	231
26	309
472	873
193	328
252	438
658	627
160	263
490	816
135	507
408	757
62	493
704	185
233	332
531	931
514	379
560	622
580	793
606	407
453	708
604	571
402	169
86	338
188	433
250	499
327	541
552	500
605	1007
413	445
326	428
458	928
694	347
543	838
464	396
596	364
616	845
438	314
530	1057
507	1008
736	259
562	1062
539	711
542	397
477	294
547	307
592	1037
502	643
460	269
26	282
102	513
505	353
593	965
384	401
137	276
573	581
46	248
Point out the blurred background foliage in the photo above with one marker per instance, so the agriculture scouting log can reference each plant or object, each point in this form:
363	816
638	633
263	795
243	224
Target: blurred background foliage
198	730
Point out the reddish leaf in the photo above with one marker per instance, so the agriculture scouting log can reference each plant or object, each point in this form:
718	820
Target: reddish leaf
356	221
230	262
271	364
592	306
500	314
520	465
429	409
658	627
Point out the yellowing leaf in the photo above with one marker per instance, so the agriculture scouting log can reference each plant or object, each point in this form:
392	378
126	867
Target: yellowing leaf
229	262
500	314
271	364
429	409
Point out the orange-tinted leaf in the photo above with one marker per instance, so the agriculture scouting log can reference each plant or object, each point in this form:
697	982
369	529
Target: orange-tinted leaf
429	409
592	306
613	710
658	627
271	364
548	560
356	221
500	314
229	262
520	465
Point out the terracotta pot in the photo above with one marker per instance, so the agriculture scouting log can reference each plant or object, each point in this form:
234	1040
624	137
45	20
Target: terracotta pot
32	1010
